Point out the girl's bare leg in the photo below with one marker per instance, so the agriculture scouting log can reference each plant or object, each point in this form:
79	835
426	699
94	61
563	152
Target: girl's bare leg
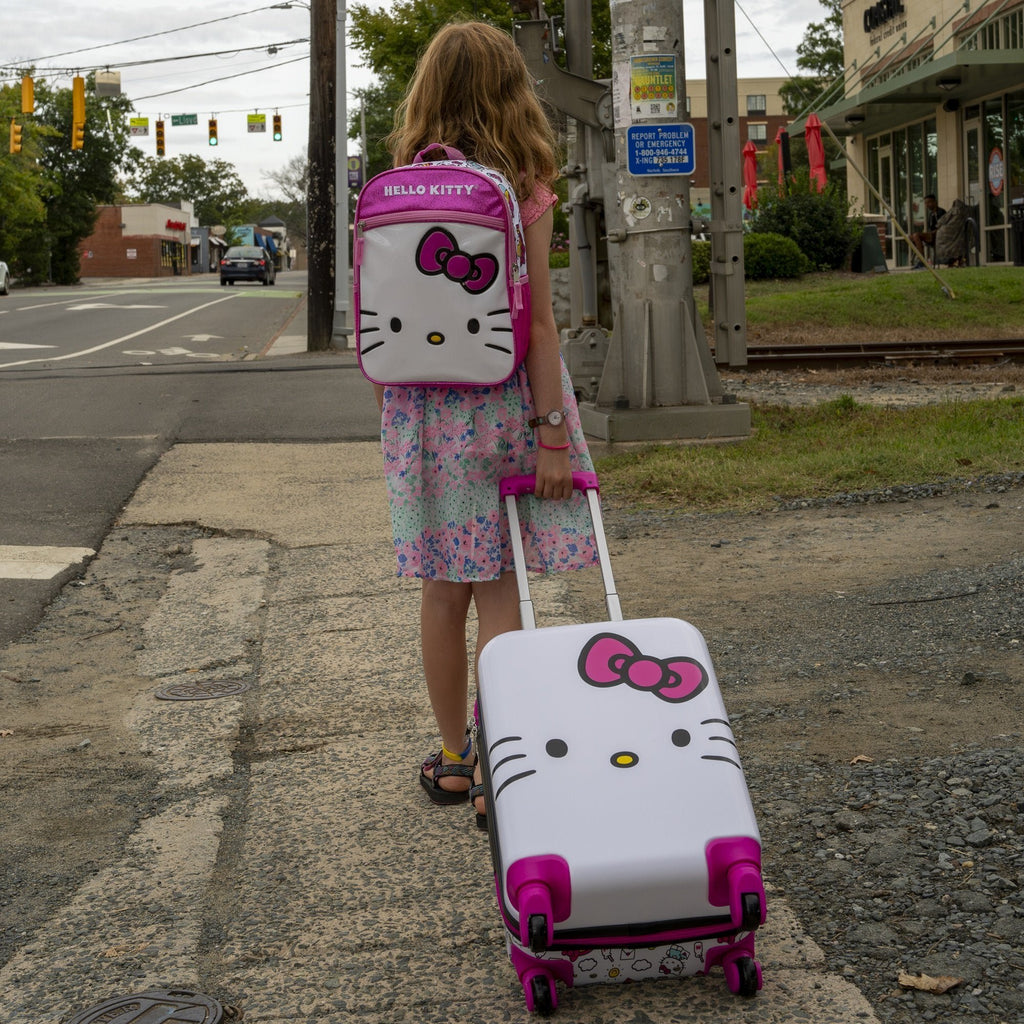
443	610
497	609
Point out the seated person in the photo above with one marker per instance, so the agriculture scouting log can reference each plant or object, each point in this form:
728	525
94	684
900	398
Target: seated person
927	237
951	235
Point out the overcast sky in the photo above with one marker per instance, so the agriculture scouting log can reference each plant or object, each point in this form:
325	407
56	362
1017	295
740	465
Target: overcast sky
60	36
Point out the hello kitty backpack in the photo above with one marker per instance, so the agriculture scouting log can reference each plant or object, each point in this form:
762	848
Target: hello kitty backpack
440	283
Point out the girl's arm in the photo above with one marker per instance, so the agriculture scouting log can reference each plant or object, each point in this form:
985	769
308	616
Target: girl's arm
378	392
543	365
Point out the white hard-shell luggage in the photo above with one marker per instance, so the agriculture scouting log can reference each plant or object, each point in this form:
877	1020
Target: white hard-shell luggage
622	833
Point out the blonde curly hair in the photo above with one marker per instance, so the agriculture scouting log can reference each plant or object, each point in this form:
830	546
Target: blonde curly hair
472	90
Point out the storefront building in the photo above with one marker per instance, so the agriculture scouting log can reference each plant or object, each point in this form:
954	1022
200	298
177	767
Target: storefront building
934	103
138	240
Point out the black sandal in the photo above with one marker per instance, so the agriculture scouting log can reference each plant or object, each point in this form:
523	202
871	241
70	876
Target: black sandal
476	793
439	770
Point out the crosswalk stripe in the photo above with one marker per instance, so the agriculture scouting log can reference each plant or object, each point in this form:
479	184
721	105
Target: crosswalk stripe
26	562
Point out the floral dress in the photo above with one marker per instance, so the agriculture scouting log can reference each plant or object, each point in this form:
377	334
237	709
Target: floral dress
445	450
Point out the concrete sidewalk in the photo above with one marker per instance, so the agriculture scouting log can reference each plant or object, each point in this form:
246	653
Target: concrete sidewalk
293	866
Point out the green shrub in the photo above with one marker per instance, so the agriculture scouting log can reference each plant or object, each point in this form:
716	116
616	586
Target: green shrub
701	256
819	222
557	260
771	256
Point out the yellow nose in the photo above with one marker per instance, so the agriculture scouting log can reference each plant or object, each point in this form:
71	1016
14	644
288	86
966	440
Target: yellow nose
624	759
435	338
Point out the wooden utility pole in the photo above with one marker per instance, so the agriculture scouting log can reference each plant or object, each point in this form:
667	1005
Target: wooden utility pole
320	197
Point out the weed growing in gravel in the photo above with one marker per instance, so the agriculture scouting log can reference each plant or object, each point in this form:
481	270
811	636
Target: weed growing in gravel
817	451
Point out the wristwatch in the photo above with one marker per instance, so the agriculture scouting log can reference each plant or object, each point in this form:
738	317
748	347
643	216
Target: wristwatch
555	418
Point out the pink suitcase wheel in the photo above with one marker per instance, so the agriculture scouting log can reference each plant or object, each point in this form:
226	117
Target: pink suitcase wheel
539	989
742	976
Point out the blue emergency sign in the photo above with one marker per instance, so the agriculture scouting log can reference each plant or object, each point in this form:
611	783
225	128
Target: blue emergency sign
660	149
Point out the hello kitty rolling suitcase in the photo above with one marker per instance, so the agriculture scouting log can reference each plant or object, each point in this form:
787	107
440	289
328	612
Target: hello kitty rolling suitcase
622	834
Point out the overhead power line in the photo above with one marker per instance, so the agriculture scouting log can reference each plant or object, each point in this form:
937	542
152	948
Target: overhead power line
150	35
224	78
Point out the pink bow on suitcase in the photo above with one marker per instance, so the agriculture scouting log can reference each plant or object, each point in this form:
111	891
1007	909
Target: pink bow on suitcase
609	659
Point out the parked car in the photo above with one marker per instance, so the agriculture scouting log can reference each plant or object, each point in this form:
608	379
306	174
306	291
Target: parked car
247	263
5	279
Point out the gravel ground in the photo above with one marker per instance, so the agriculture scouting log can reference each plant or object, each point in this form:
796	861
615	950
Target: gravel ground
911	864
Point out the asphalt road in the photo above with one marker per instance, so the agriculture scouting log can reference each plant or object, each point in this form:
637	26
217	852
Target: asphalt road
97	381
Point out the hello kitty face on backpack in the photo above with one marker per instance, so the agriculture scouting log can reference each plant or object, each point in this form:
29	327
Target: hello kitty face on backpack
445	306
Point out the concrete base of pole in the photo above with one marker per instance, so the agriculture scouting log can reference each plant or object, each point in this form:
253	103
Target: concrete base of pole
666	423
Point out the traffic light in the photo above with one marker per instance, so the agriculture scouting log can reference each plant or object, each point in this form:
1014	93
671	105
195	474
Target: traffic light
277	128
78	135
160	138
15	136
28	95
213	131
78	100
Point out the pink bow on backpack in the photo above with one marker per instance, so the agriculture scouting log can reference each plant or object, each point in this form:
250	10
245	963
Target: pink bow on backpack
439	253
609	659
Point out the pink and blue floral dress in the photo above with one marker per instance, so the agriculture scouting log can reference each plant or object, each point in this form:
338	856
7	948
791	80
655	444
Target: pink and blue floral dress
445	450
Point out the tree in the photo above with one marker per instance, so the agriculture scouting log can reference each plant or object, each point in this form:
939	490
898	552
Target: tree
22	211
218	194
72	183
820	57
292	181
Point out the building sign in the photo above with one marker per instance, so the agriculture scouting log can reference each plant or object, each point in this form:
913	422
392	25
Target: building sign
176	225
179	120
653	87
257	122
660	149
996	172
884	19
138	126
132	254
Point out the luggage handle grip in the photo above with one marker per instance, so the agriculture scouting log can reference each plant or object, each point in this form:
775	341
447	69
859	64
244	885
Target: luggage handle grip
513	487
525	483
450	152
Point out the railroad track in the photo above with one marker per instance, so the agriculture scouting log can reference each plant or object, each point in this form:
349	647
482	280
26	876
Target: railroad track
851	354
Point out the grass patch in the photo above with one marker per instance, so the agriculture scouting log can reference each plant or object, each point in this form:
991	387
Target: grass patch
817	451
989	299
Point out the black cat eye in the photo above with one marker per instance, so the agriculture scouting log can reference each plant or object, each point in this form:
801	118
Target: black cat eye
681	738
473	326
396	324
557	748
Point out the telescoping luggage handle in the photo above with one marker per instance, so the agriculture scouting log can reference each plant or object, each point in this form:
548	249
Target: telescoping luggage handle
513	487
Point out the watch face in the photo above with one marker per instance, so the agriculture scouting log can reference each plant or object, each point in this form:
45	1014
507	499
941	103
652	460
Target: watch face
554	417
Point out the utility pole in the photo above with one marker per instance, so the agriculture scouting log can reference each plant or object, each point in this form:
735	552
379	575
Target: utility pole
656	378
321	192
342	291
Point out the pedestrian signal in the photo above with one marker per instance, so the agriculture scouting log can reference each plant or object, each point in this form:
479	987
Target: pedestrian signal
15	136
160	149
277	128
213	131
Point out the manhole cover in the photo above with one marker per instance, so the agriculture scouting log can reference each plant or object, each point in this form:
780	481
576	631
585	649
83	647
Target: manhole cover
206	690
159	1006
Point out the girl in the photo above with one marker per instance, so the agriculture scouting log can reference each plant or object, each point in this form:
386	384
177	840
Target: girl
445	449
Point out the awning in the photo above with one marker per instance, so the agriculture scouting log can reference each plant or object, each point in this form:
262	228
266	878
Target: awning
957	78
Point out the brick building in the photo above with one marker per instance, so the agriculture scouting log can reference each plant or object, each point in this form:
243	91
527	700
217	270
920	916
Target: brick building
139	240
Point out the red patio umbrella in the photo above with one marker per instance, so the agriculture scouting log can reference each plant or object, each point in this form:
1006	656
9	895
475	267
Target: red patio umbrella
750	175
815	150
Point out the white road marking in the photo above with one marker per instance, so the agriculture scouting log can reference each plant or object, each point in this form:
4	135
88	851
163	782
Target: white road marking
22	344
118	341
109	305
23	562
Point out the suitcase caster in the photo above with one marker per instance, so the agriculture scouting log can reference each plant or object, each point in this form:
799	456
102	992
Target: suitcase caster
538	931
752	915
743	976
539	989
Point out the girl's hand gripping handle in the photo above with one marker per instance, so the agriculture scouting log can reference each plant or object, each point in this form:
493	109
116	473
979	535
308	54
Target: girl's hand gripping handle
525	483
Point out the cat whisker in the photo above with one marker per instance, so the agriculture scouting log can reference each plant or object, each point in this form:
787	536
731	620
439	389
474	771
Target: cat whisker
500	348
511	779
370	348
718	757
